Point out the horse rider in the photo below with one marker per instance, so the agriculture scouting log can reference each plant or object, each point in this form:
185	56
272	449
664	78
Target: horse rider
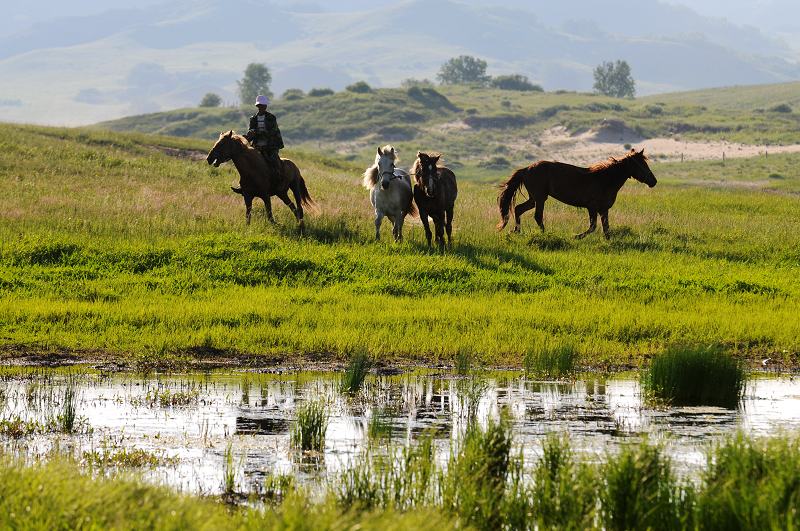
265	135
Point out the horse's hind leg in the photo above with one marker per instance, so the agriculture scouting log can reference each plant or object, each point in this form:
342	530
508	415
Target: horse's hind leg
248	207
448	224
592	224
539	214
438	223
521	209
298	197
604	220
297	213
378	221
268	208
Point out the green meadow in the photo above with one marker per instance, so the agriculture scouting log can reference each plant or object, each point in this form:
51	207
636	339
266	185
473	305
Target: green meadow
121	245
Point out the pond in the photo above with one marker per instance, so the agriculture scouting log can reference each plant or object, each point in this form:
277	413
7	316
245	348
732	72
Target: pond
188	421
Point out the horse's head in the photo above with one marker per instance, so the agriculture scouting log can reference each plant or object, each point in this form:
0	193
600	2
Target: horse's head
223	149
639	170
385	160
426	172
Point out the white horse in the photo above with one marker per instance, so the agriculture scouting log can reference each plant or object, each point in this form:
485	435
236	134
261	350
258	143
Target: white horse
390	192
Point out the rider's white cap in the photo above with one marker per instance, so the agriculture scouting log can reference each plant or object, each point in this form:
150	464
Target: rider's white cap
262	100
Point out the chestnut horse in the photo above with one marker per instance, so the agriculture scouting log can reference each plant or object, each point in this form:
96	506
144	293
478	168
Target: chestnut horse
256	180
435	192
594	188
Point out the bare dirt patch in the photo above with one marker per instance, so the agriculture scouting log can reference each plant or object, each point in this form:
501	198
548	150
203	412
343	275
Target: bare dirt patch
597	144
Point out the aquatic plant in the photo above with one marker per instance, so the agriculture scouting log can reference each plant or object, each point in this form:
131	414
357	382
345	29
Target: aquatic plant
310	426
639	490
463	361
229	471
126	457
356	372
563	494
550	362
66	419
475	481
751	483
379	426
686	375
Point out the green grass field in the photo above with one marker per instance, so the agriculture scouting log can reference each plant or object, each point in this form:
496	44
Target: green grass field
112	247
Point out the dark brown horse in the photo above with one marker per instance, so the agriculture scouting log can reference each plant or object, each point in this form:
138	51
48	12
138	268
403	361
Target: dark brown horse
594	188
257	180
435	192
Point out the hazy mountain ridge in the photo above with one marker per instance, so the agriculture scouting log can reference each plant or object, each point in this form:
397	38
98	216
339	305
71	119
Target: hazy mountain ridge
168	55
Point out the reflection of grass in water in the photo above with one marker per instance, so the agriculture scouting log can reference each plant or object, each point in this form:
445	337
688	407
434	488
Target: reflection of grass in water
551	362
695	376
310	426
379	427
356	372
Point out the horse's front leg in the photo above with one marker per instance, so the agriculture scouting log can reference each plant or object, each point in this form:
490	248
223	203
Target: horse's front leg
248	207
398	226
423	216
378	221
604	220
592	224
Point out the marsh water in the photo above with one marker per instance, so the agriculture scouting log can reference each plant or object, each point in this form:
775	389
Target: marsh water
189	420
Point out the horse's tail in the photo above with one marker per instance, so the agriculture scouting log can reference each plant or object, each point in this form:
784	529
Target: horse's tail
304	196
413	211
508	193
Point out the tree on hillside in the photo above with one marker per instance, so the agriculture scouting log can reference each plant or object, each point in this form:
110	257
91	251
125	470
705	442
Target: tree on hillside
463	70
614	79
256	81
211	100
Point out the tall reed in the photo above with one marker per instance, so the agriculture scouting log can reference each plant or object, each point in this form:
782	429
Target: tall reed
356	372
550	362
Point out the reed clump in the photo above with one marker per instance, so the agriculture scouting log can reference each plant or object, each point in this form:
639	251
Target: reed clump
551	361
310	426
685	375
355	374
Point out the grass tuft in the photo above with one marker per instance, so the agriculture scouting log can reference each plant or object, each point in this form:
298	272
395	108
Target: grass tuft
695	376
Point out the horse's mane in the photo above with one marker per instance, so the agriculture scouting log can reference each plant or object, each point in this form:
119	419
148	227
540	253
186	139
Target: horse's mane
371	173
614	162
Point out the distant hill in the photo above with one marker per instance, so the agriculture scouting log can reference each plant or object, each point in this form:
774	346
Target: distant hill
165	56
496	128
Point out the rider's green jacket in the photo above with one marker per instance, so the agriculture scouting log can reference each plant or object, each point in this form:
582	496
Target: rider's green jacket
264	132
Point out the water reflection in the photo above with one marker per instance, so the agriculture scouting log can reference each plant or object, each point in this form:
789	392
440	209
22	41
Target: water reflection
193	417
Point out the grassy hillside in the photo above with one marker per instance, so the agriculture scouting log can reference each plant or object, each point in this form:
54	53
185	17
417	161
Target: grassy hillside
485	129
111	245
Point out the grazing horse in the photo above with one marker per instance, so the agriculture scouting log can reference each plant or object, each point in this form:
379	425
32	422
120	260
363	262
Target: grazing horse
435	192
257	180
390	192
594	188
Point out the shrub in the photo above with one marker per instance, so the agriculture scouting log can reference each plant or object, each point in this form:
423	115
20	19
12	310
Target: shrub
211	100
320	92
515	82
782	108
293	94
359	87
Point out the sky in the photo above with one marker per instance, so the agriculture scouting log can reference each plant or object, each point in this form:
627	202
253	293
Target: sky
767	14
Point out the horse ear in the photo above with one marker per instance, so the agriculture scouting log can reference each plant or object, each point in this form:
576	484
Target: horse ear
641	152
436	159
393	151
230	133
419	153
380	153
633	151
